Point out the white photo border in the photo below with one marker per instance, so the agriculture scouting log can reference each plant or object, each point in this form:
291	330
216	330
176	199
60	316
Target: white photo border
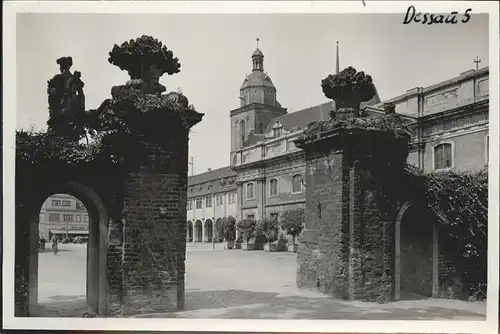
11	8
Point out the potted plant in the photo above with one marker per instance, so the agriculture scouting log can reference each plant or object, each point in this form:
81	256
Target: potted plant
270	228
281	245
292	222
238	242
229	228
247	228
259	236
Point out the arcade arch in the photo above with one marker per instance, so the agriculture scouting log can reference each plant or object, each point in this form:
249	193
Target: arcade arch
189	231
209	230
198	231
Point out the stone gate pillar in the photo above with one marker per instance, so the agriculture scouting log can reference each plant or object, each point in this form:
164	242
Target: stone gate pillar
148	240
348	244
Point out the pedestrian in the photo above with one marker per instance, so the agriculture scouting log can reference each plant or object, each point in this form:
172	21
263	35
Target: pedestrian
54	244
42	243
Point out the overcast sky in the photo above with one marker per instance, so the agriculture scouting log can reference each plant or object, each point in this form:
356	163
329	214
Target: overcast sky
214	52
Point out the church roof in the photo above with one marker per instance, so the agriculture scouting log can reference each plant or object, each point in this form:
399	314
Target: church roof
215	174
300	119
257	79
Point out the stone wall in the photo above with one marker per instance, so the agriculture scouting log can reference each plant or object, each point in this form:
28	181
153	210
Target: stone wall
348	244
323	261
154	230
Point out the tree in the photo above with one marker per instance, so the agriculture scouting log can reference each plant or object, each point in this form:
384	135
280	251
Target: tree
269	228
247	227
139	55
348	88
292	221
219	229
230	228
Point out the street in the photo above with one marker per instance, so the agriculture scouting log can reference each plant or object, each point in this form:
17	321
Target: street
239	285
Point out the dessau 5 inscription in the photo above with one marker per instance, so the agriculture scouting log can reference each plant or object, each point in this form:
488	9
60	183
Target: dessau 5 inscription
427	18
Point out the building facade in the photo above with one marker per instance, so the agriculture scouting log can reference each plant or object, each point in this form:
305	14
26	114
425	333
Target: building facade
450	132
63	215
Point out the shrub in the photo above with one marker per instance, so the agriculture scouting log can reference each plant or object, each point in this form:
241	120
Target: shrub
230	228
292	221
270	229
247	228
219	229
459	201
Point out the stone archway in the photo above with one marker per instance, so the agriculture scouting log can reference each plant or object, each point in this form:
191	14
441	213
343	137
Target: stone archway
209	230
416	254
96	272
198	231
189	231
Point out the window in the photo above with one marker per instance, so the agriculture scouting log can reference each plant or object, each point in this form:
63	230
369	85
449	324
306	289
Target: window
297	184
220	199
250	194
199	203
261	127
86	218
277	132
66	203
54	217
274	216
443	156
68	217
56	202
78	218
208	202
251	216
273	187
242	131
79	205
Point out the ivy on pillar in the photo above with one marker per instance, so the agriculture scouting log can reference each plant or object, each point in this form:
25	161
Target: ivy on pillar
355	157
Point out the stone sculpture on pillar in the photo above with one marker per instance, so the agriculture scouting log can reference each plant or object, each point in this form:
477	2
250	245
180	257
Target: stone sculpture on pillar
352	160
66	102
348	89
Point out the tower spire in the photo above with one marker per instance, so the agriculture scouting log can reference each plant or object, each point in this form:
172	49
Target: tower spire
258	58
337	66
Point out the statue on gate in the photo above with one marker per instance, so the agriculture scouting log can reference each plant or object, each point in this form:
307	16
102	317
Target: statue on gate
66	101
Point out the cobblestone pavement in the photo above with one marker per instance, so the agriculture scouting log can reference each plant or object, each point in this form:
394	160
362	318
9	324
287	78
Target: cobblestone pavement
238	284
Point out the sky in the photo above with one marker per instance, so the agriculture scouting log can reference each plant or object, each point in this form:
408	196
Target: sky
214	52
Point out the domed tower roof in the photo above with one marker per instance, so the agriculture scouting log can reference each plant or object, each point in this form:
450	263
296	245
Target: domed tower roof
258	78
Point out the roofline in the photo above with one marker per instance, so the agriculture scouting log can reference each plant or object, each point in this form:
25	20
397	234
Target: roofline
254	105
464	76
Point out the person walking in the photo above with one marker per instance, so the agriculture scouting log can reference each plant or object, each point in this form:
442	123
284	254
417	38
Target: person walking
54	244
42	243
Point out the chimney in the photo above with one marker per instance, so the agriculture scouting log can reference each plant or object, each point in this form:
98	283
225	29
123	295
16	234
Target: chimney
209	169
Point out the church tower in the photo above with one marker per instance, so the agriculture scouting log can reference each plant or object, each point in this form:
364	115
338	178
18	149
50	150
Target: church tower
258	106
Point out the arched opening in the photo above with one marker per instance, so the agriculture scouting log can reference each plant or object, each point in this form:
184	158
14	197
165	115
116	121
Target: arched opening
198	231
415	254
219	230
209	230
242	132
73	280
189	232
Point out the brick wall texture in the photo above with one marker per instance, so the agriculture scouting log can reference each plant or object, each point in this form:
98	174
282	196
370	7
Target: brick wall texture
146	267
352	216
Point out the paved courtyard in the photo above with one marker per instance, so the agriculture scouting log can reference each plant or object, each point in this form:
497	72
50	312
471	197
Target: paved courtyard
238	284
